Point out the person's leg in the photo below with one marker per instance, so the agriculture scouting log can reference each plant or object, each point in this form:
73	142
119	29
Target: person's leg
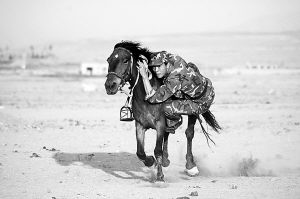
205	102
173	111
173	122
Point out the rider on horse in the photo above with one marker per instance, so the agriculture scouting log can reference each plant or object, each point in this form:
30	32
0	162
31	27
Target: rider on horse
184	91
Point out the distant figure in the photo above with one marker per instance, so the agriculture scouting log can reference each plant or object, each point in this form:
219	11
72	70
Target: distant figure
90	69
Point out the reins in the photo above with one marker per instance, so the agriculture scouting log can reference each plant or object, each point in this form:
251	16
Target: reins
130	93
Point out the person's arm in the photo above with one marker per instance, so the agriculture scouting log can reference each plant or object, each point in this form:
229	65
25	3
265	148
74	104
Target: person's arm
160	95
164	92
147	85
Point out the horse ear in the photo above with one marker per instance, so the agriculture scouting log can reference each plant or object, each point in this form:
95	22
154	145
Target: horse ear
142	57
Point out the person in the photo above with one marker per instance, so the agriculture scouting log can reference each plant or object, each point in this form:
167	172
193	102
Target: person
184	90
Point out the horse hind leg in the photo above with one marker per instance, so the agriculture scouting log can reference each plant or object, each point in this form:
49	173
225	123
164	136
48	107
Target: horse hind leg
158	151
191	168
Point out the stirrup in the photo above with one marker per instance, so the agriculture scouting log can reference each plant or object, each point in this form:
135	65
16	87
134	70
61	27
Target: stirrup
126	114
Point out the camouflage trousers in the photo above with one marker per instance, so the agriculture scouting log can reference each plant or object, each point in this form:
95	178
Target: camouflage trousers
174	109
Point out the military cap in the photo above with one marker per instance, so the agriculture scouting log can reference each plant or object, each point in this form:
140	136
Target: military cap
159	59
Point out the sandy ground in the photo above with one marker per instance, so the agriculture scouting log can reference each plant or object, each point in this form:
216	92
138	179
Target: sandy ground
60	137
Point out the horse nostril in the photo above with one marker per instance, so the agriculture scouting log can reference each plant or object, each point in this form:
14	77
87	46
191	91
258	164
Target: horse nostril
106	85
110	85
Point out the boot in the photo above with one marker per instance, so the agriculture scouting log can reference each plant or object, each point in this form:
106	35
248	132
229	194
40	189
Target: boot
173	123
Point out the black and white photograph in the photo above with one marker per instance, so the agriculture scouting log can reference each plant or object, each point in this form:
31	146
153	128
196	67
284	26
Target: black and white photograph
161	99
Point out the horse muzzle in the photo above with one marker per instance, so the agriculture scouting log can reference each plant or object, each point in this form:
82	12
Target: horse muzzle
112	86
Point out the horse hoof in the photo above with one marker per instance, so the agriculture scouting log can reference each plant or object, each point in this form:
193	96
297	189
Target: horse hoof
159	181
160	184
165	162
192	172
153	167
150	160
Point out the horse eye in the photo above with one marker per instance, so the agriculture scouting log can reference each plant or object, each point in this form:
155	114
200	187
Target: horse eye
125	61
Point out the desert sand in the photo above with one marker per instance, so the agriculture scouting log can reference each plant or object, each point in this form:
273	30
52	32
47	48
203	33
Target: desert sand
60	137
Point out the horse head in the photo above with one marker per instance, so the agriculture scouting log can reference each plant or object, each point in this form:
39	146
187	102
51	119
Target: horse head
122	65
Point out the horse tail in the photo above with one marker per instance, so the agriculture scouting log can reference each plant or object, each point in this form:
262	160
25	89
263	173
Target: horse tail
211	121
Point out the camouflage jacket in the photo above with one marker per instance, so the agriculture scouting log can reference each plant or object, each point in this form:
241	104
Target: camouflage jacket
183	81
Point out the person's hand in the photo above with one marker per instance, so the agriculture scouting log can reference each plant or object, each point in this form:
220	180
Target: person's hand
143	67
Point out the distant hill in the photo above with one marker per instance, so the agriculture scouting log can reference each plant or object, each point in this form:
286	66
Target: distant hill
207	49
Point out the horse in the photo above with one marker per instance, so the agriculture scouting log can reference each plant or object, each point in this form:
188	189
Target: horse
123	67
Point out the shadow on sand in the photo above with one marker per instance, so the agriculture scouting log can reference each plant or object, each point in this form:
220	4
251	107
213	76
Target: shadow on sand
121	165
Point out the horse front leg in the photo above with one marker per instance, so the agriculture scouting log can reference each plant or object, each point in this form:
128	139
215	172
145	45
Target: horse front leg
191	168
158	152
140	139
165	160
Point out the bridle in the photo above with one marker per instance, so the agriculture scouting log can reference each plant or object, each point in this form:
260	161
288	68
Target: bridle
123	77
126	111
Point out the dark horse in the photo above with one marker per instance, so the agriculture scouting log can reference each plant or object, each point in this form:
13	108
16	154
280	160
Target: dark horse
123	68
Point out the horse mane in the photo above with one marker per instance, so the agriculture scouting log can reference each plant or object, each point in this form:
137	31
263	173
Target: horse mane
135	48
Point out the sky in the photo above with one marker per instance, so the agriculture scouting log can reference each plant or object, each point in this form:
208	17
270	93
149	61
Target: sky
25	22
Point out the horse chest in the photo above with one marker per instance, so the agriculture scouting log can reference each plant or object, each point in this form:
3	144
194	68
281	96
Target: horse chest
147	117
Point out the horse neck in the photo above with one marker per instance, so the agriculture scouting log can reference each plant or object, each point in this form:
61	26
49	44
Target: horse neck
139	90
